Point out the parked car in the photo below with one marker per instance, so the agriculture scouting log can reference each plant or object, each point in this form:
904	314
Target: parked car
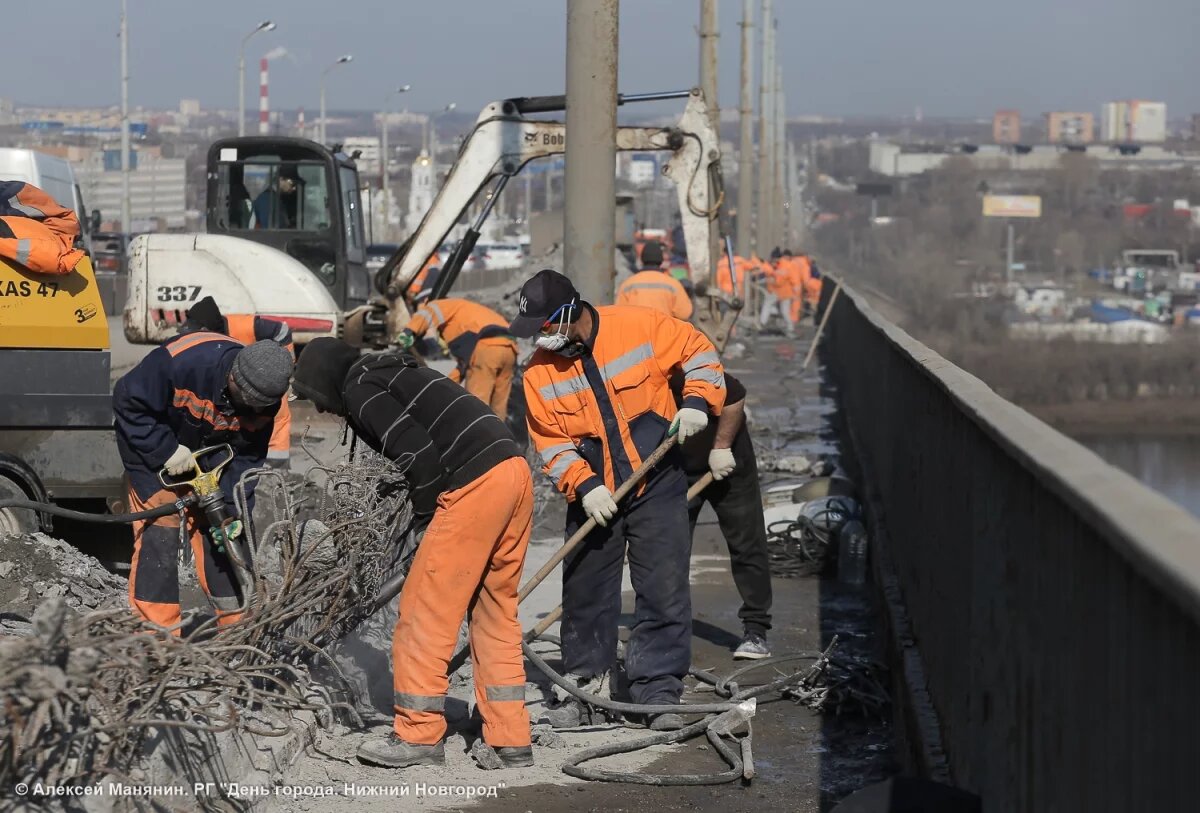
110	252
380	253
474	261
500	255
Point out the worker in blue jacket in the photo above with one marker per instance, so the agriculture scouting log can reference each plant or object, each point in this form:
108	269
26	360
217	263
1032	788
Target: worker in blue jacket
199	389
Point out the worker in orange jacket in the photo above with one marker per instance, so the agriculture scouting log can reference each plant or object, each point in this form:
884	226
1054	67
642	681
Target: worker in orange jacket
732	284
478	339
35	231
422	284
248	328
599	402
781	289
812	284
653	287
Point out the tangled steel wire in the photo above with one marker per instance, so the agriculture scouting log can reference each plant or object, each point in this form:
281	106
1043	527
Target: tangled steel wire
81	696
804	546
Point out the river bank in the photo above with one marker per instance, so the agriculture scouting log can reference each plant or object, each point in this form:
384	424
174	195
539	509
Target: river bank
1143	417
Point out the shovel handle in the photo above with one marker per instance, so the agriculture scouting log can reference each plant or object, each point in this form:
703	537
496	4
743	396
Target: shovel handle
629	485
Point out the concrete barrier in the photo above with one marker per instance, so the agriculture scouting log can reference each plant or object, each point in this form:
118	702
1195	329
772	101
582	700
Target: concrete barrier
1054	600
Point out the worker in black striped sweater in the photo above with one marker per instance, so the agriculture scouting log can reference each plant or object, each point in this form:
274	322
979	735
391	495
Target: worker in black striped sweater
464	469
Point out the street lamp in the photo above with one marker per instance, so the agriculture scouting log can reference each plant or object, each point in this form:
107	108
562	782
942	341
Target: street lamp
265	25
431	131
126	205
341	60
384	161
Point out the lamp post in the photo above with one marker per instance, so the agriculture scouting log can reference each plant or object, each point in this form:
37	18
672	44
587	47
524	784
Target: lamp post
431	131
341	60
384	162
126	205
265	25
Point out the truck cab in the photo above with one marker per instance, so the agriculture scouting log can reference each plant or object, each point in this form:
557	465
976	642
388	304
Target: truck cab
296	196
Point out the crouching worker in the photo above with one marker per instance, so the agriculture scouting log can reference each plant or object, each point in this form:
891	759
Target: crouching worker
465	469
196	390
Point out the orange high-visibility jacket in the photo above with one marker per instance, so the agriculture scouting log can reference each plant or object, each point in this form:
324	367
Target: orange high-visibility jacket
35	231
732	284
418	282
595	418
451	318
656	289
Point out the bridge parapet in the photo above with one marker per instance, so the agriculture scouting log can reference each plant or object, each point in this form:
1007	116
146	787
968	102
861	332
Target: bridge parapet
1053	600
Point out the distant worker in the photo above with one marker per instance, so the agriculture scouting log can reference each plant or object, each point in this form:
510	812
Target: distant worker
725	449
422	284
732	282
196	390
598	404
479	341
780	291
276	206
812	285
466	471
248	328
652	287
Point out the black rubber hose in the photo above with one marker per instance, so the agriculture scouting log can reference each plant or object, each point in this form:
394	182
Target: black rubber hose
104	519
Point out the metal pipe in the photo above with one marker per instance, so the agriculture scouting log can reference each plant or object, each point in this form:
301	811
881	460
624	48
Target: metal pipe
590	214
745	201
763	238
342	60
126	204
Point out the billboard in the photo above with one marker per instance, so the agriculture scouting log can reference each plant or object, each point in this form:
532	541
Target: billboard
1012	206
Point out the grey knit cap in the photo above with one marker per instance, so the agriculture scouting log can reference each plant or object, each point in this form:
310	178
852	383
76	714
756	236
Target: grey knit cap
262	371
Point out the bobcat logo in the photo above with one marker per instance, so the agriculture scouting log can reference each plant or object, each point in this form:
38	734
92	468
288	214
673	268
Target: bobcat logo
530	138
524	306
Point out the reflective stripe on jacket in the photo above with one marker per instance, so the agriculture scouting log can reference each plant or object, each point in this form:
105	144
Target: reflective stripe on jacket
594	418
37	232
461	323
177	395
652	288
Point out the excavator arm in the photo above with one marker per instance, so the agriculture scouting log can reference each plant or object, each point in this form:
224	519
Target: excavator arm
504	140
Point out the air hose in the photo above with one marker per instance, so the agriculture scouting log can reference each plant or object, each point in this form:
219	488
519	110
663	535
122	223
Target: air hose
104	519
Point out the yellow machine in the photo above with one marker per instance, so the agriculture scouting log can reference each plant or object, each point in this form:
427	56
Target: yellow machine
56	437
48	311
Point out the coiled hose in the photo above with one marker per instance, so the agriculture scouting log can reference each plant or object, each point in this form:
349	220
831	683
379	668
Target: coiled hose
103	519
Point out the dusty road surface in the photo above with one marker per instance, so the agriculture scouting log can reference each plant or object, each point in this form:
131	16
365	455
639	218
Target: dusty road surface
804	761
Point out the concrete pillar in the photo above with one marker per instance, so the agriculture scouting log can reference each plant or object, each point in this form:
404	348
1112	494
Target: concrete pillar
709	35
781	172
764	240
589	219
745	201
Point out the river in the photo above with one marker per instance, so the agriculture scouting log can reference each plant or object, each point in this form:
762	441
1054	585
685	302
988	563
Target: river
1169	465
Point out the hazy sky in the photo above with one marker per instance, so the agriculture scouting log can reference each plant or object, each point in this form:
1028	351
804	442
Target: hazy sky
841	57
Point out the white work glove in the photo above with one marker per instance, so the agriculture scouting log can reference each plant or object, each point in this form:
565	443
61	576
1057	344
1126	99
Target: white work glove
721	463
180	461
688	422
600	505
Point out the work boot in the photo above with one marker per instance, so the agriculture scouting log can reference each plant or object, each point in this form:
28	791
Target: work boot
666	722
752	648
569	714
515	756
393	752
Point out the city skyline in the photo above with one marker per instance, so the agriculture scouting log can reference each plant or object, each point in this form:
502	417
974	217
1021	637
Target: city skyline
848	59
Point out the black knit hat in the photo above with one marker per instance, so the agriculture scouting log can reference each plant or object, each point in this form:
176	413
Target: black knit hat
321	373
205	315
652	254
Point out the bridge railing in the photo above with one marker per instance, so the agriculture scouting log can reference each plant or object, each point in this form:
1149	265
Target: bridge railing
1054	601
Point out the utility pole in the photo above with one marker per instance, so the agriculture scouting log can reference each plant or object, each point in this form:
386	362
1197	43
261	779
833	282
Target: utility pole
709	35
766	132
126	204
745	201
781	174
589	220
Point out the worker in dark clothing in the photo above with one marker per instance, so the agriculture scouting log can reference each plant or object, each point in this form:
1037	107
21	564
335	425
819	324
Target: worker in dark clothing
196	390
249	328
464	469
598	404
276	206
725	449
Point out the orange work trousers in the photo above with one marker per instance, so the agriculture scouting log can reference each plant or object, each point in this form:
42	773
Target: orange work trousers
280	448
154	575
469	563
490	373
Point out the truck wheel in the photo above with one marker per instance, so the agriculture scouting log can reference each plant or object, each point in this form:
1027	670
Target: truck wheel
15	521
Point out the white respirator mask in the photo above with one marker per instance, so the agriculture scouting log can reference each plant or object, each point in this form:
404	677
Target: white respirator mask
555	342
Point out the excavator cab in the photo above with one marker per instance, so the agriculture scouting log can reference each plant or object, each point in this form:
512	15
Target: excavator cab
296	196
